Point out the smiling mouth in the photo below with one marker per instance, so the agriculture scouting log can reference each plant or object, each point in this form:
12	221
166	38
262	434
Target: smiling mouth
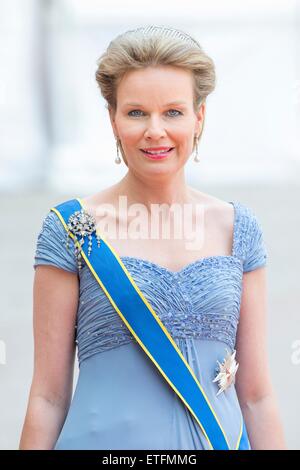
157	155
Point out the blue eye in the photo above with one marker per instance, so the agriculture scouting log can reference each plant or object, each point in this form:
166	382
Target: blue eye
134	111
176	110
137	111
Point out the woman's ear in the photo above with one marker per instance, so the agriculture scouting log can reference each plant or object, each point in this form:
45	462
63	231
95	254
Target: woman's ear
112	114
200	117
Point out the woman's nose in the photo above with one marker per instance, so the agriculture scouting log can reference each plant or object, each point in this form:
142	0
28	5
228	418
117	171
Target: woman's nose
155	128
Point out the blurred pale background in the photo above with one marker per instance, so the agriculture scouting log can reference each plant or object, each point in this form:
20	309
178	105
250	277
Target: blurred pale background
56	142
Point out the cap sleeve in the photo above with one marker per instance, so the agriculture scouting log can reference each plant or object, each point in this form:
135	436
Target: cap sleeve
255	249
51	246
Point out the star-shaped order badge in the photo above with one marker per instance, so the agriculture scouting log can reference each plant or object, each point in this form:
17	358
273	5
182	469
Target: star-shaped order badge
226	372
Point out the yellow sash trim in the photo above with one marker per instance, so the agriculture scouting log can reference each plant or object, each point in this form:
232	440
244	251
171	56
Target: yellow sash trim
240	434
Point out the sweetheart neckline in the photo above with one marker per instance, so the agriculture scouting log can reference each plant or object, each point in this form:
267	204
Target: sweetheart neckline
186	267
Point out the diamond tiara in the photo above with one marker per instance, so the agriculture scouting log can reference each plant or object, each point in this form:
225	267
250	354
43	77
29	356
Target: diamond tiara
166	31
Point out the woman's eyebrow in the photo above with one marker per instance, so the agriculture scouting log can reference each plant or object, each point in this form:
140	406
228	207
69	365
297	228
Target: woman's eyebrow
167	104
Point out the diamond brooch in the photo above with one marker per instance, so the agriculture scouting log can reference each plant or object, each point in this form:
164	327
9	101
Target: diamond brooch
226	371
82	224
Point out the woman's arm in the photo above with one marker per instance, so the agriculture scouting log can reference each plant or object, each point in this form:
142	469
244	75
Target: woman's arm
253	382
55	301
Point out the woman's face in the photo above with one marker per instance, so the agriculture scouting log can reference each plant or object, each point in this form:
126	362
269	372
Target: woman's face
155	109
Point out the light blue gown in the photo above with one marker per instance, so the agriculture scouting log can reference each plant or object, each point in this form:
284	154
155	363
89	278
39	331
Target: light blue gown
121	401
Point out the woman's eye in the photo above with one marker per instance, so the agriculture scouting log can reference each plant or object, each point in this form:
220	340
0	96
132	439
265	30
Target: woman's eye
176	111
138	111
134	111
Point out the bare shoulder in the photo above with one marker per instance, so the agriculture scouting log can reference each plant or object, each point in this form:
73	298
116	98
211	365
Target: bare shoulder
216	208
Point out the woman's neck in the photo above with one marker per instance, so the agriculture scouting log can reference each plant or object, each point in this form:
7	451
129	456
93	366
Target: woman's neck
169	192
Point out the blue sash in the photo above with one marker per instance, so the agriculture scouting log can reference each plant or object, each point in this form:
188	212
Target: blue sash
150	332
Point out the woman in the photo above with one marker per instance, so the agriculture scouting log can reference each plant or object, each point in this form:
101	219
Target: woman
206	305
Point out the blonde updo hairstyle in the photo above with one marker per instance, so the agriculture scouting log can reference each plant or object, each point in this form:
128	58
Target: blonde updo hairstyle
154	46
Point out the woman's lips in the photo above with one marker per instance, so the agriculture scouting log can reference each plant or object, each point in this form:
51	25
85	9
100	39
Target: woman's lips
158	156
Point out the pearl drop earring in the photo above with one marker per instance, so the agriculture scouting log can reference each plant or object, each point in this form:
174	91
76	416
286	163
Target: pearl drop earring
197	158
117	159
